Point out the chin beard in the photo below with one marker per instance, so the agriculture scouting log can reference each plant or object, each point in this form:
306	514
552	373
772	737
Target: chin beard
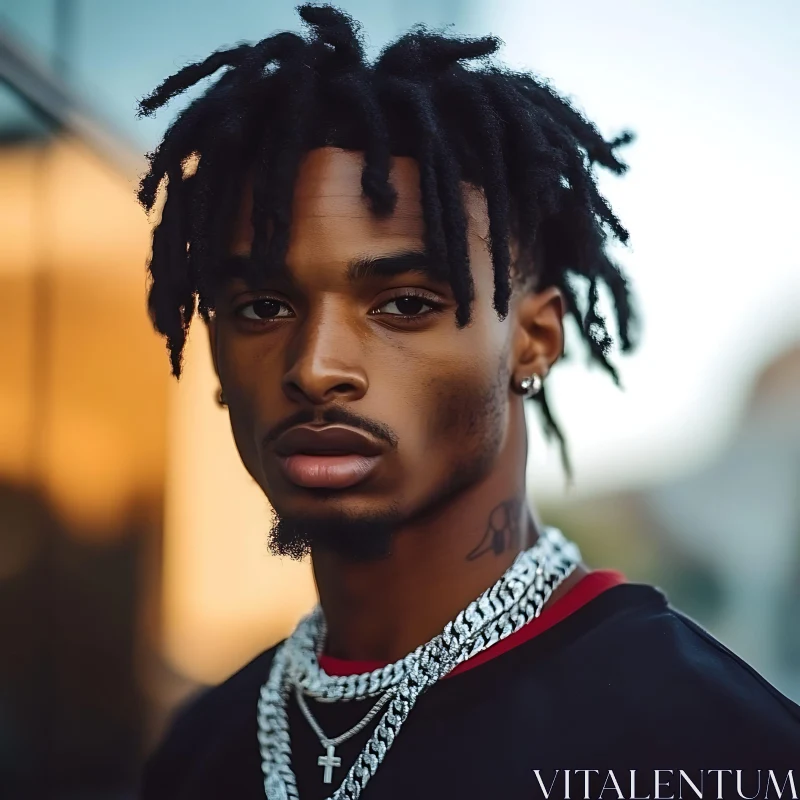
355	538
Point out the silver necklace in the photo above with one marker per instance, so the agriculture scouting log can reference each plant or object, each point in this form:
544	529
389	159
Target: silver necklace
483	620
516	598
330	759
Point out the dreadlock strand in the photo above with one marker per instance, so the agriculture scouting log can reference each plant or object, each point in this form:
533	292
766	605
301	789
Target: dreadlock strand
454	222
275	180
528	145
412	95
576	123
420	53
552	430
290	56
338	30
171	295
224	101
469	92
182	137
617	284
354	89
189	76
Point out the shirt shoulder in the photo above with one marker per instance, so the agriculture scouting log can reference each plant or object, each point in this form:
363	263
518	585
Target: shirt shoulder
673	682
207	716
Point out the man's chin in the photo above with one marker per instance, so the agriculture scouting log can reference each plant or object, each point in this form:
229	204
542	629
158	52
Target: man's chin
353	536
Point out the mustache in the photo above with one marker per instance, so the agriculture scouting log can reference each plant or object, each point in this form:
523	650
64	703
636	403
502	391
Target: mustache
335	415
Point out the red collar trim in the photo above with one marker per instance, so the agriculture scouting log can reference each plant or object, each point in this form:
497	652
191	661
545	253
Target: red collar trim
587	588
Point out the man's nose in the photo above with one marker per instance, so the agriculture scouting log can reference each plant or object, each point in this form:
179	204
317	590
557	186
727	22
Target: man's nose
326	361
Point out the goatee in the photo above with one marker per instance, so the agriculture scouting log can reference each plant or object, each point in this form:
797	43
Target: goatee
355	538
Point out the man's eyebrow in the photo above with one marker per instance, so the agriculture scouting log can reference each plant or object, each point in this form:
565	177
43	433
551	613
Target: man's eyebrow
395	264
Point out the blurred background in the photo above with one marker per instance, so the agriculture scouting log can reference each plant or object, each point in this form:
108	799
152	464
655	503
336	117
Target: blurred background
133	559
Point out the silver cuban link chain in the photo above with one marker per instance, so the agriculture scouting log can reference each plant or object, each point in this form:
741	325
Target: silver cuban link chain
516	599
484	621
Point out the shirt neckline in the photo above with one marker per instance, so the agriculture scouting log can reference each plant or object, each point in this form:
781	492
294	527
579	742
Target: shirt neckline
585	590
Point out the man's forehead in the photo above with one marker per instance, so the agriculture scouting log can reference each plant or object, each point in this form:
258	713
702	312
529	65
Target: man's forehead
328	184
333	224
334	175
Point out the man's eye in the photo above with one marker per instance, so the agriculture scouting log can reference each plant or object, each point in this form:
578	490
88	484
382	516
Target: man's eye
267	308
409	306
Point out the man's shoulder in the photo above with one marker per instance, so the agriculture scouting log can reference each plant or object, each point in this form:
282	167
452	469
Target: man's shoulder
198	721
677	652
657	665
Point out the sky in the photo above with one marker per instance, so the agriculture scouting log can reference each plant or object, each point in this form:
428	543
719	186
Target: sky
711	89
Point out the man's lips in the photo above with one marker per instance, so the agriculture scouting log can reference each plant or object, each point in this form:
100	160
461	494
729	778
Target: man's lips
330	440
333	457
327	471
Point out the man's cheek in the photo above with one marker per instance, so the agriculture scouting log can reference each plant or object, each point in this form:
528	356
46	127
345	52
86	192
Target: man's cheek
247	443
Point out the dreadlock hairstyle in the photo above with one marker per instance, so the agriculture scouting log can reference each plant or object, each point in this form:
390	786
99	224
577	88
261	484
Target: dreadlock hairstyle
506	132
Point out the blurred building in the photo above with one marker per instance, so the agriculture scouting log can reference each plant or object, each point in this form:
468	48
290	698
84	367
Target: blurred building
83	429
723	540
740	515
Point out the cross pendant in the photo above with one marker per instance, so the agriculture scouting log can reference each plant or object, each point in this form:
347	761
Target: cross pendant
329	761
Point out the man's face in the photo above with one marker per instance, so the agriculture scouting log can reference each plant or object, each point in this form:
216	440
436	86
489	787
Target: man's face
377	350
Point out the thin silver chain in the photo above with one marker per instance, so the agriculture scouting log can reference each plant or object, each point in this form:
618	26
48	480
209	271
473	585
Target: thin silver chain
357	728
516	599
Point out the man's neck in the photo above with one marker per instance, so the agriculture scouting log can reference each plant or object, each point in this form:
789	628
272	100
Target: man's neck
384	609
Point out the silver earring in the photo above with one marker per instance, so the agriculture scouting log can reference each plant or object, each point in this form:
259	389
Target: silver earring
531	386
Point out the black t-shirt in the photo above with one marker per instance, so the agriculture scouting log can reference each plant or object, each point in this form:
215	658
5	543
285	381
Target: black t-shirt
626	682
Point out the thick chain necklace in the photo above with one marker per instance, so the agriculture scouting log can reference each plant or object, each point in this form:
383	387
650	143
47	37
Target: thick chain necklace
516	599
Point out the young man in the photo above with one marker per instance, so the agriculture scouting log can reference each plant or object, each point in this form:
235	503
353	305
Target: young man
384	255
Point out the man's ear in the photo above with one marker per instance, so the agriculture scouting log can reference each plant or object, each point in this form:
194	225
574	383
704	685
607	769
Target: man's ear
539	335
